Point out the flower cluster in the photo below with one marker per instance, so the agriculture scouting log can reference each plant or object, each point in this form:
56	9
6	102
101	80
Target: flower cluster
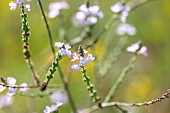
53	107
9	83
138	48
123	28
82	59
64	49
87	15
121	8
13	5
55	7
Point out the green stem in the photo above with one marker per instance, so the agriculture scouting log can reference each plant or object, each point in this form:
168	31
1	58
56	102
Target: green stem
72	104
48	28
120	78
90	87
25	39
51	71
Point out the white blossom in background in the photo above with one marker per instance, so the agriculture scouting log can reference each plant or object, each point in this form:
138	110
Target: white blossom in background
55	7
5	100
2	88
13	5
10	81
64	49
122	9
87	15
83	60
125	28
59	96
136	47
25	89
53	107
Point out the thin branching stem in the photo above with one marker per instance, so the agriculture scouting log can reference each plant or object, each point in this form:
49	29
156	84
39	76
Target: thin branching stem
120	78
48	28
65	83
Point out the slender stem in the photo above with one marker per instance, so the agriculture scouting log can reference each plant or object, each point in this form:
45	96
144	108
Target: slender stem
65	83
48	28
25	39
120	78
164	96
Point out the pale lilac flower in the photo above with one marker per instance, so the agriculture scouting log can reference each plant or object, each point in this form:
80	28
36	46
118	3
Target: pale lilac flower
19	2
59	96
83	60
87	15
122	9
13	6
5	100
117	7
12	90
63	49
25	89
55	7
10	80
52	108
138	48
59	44
125	28
75	67
27	7
2	88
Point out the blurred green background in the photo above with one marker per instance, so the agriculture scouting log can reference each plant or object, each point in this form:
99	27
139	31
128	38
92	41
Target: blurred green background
148	80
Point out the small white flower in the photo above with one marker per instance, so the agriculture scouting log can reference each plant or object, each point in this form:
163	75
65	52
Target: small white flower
125	28
2	88
138	48
125	14
19	2
59	96
55	7
27	7
89	58
10	80
5	100
13	6
117	7
83	61
87	15
75	67
59	44
53	107
12	90
25	89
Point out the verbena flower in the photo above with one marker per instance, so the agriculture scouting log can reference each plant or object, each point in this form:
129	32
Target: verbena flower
25	89
5	100
64	49
59	96
13	5
55	7
125	28
138	48
122	9
83	60
87	15
52	108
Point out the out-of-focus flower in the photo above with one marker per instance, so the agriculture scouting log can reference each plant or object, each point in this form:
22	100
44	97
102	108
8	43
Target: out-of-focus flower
125	28
82	59
5	100
122	9
59	96
52	108
27	7
87	15
63	49
117	7
13	6
25	89
10	80
138	48
55	7
2	88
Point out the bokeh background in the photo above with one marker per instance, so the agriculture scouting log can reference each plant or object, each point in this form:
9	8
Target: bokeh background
148	80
